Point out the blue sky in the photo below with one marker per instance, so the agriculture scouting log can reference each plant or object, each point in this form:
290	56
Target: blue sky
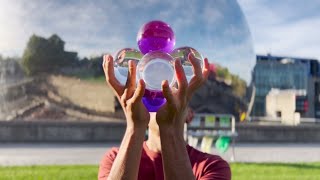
286	27
217	28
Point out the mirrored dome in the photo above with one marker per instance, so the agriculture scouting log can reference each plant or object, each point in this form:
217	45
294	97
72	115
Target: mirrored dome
217	29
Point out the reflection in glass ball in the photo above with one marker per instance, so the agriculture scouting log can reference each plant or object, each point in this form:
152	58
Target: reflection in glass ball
217	29
121	62
182	54
154	36
153	68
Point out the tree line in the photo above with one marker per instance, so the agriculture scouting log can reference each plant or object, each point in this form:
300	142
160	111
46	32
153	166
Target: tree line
43	55
48	55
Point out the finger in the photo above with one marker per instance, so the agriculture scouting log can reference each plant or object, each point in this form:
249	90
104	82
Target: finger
166	91
205	70
139	92
131	80
124	98
196	66
108	69
181	78
198	80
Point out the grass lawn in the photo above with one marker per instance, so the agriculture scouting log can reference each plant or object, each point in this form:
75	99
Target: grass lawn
99	79
65	172
243	171
279	171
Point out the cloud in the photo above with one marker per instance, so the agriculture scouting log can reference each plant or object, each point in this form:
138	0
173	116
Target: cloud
81	25
283	29
215	28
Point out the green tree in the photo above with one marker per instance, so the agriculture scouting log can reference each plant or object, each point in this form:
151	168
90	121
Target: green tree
238	85
96	65
223	72
46	55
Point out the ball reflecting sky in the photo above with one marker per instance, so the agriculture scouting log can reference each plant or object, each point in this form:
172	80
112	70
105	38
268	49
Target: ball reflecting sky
217	29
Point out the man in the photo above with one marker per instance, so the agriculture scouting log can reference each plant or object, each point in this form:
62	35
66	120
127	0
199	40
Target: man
165	155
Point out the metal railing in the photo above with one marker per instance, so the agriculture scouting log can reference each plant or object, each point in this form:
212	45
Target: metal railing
211	126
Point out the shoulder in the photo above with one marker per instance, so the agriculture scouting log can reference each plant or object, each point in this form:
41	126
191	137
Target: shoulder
208	166
111	153
106	162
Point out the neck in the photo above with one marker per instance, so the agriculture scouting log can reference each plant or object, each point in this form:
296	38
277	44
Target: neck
154	142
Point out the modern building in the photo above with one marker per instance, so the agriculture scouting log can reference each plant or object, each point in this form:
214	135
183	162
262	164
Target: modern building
279	72
281	105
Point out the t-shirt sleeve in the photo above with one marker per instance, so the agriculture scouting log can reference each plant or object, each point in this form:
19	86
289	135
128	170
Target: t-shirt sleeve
217	169
106	163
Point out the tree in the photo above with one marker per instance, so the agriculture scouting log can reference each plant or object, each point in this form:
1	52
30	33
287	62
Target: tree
46	55
238	85
96	65
222	72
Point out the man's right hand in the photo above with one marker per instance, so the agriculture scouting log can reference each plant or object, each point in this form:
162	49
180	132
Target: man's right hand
129	96
126	163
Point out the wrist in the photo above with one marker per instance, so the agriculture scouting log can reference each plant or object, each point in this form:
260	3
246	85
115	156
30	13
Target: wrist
136	130
171	132
135	124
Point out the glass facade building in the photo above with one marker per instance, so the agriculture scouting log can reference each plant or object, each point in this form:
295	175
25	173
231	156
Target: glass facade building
281	73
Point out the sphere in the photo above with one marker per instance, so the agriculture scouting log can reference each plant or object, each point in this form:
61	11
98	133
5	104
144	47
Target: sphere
182	54
156	36
121	63
154	67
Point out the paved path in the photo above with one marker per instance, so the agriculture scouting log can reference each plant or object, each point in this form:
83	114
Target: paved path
36	154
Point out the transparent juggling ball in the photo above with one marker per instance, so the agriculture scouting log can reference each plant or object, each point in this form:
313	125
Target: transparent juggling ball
121	63
182	55
153	68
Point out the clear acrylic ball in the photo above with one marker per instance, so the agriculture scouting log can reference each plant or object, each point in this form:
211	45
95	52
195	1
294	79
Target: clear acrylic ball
121	63
154	67
182	54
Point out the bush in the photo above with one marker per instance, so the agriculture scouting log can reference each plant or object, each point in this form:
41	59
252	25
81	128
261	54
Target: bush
46	55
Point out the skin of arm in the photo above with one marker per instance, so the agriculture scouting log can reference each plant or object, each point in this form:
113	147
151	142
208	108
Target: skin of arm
171	118
127	161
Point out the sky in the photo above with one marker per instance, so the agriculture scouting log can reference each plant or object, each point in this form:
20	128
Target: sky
286	27
218	29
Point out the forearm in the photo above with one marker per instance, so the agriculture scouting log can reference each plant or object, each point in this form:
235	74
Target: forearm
176	162
126	164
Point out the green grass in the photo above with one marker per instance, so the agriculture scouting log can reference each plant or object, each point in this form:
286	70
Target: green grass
99	79
240	171
68	172
272	171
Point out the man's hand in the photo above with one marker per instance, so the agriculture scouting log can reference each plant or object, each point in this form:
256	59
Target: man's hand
173	114
129	96
126	164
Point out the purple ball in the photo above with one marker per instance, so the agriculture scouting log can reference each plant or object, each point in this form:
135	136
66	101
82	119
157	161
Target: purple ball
156	36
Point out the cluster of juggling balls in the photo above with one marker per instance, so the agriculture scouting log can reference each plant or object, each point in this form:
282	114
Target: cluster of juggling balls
156	41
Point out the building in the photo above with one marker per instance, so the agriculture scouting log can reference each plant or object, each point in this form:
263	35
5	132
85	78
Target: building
281	72
281	104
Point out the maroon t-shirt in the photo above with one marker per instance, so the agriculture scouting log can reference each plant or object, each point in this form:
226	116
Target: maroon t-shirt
204	166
